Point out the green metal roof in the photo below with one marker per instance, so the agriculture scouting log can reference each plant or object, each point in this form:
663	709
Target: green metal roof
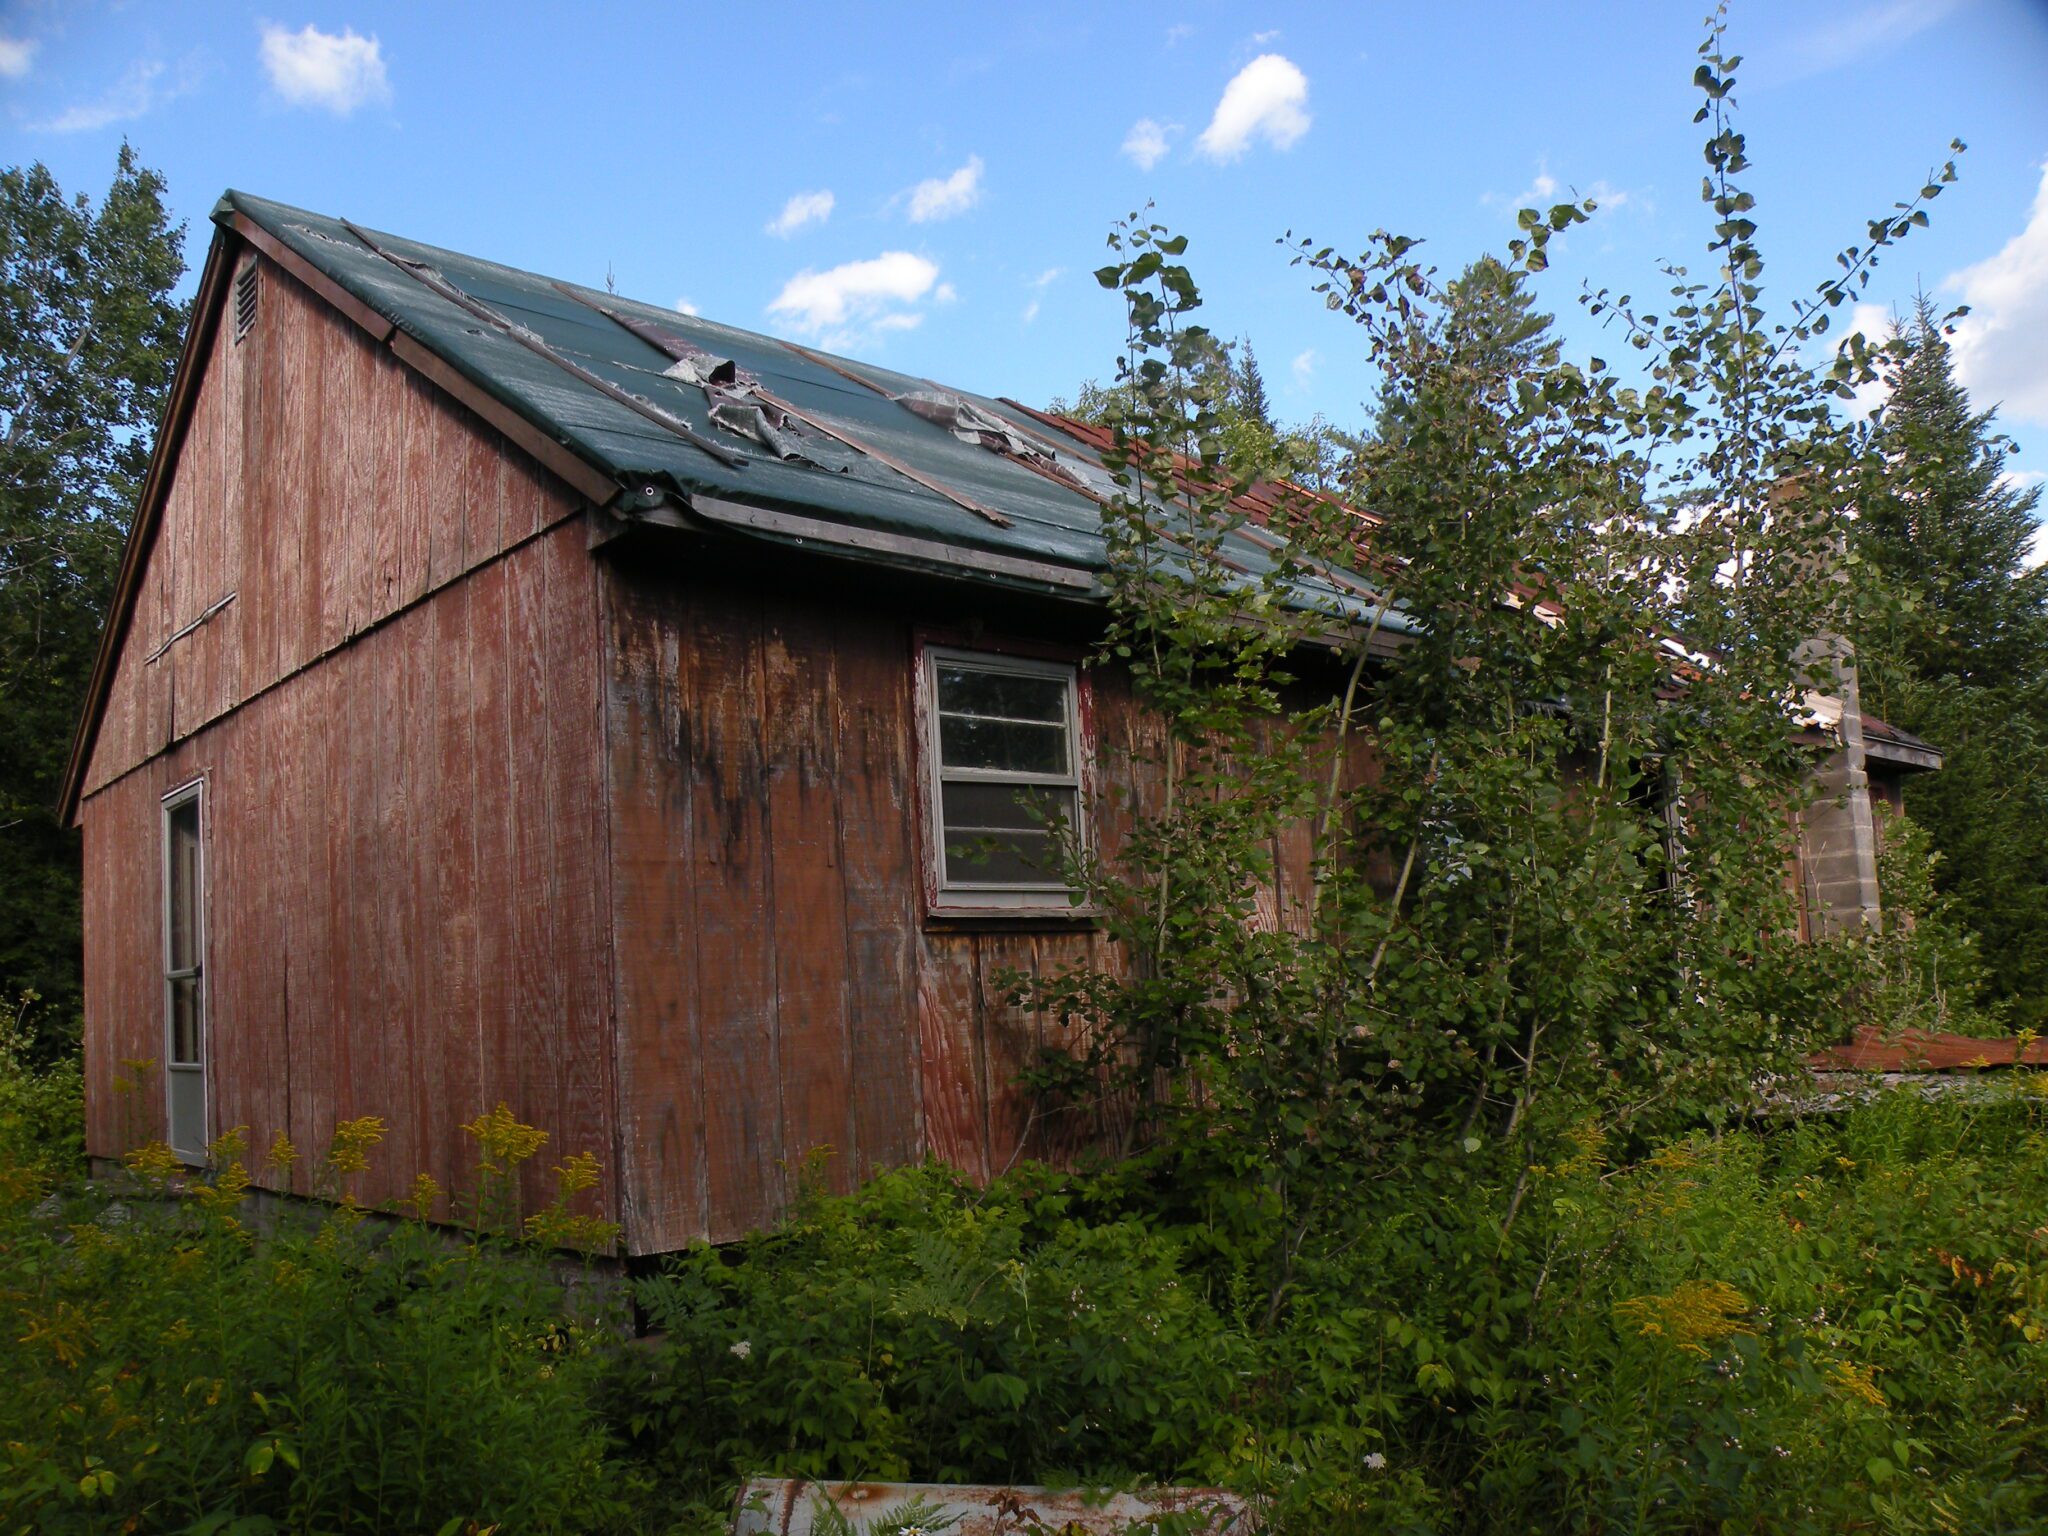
510	333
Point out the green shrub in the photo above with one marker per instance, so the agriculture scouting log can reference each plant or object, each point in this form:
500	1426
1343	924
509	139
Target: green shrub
42	1106
923	1329
168	1369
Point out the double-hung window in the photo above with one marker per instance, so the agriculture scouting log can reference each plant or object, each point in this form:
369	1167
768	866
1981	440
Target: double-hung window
1004	759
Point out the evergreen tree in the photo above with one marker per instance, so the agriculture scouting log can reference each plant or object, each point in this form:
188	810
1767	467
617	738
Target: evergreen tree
1489	333
1251	398
1945	527
89	336
1960	654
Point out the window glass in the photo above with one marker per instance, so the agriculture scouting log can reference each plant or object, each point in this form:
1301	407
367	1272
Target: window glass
1006	771
182	931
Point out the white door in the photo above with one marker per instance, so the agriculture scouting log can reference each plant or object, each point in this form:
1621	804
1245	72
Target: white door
185	974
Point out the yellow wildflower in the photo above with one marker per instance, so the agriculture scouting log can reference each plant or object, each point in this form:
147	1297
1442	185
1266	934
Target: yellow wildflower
227	1191
1694	1317
556	1227
154	1161
1857	1381
426	1194
282	1154
65	1331
576	1175
1589	1140
504	1140
348	1152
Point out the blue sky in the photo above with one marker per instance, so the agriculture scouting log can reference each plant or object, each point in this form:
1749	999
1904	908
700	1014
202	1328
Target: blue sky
930	185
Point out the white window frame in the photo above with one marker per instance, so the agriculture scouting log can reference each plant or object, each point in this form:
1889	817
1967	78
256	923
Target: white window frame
946	898
194	795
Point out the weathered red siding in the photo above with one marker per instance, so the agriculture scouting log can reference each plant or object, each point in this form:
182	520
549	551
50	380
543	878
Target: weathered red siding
407	878
779	988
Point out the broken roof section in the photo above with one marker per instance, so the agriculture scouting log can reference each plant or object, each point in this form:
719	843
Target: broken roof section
733	426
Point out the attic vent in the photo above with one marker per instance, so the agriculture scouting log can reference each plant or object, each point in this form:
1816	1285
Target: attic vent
245	299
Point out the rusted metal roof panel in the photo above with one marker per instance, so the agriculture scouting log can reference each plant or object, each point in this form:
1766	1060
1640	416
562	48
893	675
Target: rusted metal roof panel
794	1507
1917	1050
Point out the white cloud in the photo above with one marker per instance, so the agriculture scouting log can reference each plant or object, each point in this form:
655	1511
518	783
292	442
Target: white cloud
2037	546
1260	39
1304	368
857	297
1146	143
1544	189
1875	322
16	54
945	293
337	71
1850	36
1038	285
804	208
685	307
1267	98
141	89
2000	344
1178	32
941	197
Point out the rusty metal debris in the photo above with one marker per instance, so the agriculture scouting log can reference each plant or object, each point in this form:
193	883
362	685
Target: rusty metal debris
795	1507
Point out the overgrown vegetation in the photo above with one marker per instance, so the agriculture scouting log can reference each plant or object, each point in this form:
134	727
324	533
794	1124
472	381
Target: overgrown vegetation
1833	1325
1457	1189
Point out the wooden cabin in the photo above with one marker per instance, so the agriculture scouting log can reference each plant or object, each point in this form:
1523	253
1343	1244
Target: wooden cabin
516	693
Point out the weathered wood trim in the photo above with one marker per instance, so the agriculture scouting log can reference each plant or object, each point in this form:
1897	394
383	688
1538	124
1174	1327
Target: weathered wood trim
380	327
926	552
1905	756
170	437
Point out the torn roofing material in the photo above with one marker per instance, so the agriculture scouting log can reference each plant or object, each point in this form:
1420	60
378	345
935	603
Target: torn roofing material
673	407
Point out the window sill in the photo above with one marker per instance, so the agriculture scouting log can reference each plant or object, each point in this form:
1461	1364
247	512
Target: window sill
1050	918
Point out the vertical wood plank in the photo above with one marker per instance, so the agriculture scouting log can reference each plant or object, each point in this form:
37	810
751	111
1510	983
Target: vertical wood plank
808	896
494	798
879	876
1010	1038
735	948
450	1071
950	1056
654	917
533	1033
585	1103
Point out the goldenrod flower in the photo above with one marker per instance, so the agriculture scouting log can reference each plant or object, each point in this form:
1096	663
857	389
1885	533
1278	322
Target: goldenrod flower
1693	1318
426	1194
1857	1381
348	1152
505	1141
153	1160
282	1154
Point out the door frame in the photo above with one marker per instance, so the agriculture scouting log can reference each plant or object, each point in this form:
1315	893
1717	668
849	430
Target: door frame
192	793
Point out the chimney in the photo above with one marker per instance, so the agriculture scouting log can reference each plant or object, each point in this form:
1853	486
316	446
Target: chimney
1837	832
